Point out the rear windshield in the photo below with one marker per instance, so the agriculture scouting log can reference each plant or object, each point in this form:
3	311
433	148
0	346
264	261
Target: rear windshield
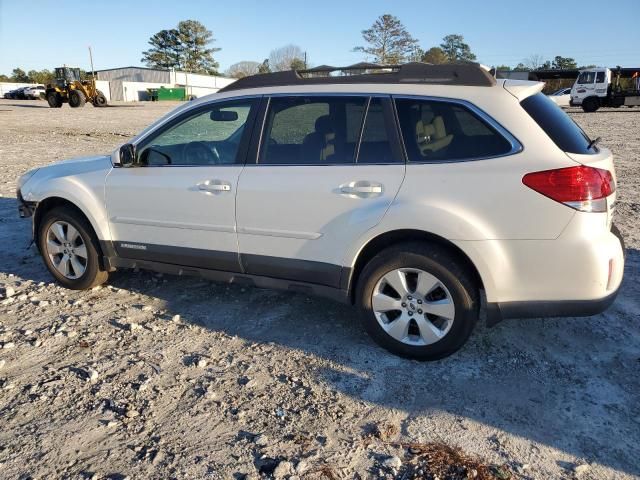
565	133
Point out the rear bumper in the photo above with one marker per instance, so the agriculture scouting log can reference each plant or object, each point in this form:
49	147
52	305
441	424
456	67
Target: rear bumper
574	276
497	312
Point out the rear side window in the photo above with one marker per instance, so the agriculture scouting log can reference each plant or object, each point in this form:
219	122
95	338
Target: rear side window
375	146
560	128
439	131
312	130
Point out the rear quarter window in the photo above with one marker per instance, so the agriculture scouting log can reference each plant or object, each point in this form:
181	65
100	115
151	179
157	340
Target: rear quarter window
558	126
442	131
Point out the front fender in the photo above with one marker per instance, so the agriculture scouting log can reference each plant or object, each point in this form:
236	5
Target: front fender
81	183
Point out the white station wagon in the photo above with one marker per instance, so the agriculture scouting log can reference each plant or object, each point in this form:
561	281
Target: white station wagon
408	192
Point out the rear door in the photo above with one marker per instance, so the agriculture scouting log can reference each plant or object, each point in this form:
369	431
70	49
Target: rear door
325	171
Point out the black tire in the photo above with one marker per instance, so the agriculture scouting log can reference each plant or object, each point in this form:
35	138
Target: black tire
590	104
54	100
446	267
100	100
77	99
92	275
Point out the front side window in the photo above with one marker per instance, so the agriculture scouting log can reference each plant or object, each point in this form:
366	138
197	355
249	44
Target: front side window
435	131
210	137
312	130
600	78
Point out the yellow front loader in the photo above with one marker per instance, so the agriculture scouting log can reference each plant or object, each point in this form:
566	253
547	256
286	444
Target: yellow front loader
69	88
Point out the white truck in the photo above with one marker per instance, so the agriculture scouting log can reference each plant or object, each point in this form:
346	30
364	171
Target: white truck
601	87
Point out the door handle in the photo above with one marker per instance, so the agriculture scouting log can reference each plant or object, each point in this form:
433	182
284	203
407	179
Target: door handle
214	186
362	189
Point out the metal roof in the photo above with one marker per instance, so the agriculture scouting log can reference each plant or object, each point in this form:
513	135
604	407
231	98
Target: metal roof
321	68
137	68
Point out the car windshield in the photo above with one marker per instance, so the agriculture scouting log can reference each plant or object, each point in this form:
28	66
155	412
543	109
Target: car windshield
587	77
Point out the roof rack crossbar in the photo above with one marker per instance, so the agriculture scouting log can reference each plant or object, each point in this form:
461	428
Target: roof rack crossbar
468	74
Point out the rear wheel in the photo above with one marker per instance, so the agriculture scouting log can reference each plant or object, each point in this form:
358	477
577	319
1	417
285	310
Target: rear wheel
100	100
77	99
54	100
590	104
70	249
417	301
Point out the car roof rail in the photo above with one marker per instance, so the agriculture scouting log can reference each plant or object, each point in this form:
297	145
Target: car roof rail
461	74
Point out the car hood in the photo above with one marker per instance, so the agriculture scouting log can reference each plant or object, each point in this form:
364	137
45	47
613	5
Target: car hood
79	165
66	179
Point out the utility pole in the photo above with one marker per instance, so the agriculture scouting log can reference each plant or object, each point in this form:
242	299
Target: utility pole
93	73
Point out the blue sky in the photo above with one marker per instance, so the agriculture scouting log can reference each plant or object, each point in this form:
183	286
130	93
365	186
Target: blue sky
43	34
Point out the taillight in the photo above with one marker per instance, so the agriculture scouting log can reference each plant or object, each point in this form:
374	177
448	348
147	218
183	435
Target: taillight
581	187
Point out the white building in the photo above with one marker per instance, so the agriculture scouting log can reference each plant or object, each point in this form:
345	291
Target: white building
131	83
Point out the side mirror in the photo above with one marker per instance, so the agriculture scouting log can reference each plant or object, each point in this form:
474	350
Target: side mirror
127	155
224	116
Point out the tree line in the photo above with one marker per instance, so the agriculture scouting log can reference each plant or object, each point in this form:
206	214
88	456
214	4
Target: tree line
537	62
189	47
387	41
32	76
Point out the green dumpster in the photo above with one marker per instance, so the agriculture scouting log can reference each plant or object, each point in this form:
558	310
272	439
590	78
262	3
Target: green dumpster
171	93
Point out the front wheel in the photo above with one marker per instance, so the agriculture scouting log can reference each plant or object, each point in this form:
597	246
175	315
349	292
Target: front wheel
70	249
590	104
77	99
418	301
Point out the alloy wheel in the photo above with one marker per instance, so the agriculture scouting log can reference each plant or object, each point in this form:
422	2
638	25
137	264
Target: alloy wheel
413	306
66	249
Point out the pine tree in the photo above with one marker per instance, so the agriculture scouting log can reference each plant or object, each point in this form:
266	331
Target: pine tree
185	48
165	50
388	41
456	50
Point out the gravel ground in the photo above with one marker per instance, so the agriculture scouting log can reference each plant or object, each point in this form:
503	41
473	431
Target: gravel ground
162	377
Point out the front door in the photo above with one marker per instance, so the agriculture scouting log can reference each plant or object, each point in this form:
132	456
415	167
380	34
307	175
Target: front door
322	177
177	205
585	84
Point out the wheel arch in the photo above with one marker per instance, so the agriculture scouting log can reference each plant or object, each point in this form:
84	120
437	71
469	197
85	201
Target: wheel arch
394	237
49	204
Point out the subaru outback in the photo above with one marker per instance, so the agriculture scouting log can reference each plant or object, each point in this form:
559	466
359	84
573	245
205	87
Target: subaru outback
410	192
